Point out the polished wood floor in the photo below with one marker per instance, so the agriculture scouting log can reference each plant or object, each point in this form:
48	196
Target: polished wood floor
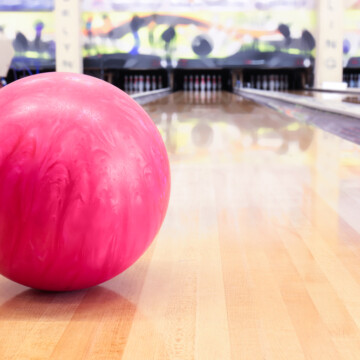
258	258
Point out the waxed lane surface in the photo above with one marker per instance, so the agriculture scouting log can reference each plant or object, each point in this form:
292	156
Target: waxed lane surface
258	257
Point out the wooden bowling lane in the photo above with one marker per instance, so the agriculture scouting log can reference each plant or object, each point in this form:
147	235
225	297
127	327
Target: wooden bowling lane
258	257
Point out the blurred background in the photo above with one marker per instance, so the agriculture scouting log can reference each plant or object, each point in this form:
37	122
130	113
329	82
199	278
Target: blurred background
243	39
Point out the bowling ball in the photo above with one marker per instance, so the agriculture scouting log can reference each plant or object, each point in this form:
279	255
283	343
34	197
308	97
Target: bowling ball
84	181
202	45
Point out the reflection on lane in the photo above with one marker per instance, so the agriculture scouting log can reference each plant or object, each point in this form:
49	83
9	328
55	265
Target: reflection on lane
195	125
263	216
274	161
344	126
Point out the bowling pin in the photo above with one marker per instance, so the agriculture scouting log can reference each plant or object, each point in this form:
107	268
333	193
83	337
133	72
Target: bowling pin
214	82
136	83
252	82
147	84
352	81
153	85
219	83
191	83
202	83
277	82
281	83
126	83
239	83
196	85
271	83
131	84
258	82
141	83
185	83
208	82
264	83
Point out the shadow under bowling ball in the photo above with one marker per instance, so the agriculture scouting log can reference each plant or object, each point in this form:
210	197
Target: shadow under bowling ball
96	322
202	135
94	303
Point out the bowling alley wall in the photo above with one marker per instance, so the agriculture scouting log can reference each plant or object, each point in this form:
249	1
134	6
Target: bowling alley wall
351	45
177	34
171	35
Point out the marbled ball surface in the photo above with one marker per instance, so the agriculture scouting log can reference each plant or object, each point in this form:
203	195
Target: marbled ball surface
84	181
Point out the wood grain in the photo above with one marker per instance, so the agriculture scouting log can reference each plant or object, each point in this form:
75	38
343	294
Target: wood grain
258	257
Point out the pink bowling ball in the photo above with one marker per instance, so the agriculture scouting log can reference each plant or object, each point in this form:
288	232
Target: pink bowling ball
84	181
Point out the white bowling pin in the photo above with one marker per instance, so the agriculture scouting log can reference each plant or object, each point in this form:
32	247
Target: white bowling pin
131	87
126	83
276	83
191	83
264	83
153	85
208	82
147	83
281	83
258	82
214	82
196	85
185	82
202	83
352	81
271	83
252	82
141	83
136	83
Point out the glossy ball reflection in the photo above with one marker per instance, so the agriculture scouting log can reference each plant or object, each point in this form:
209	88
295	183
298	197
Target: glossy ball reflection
84	181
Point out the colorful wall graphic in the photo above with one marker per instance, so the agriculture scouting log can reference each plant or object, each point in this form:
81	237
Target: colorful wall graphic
351	45
180	5
33	37
202	39
178	34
